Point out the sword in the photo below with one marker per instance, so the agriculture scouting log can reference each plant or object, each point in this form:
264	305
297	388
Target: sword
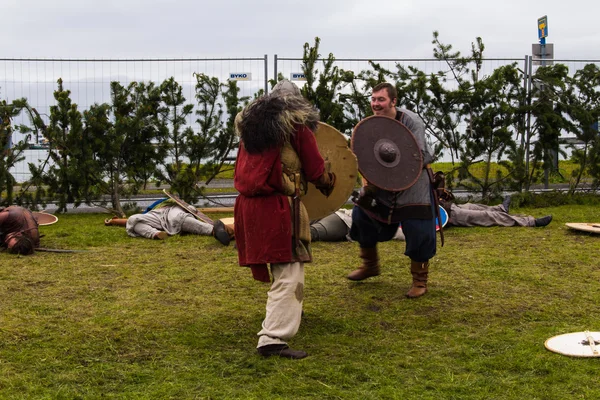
59	250
191	209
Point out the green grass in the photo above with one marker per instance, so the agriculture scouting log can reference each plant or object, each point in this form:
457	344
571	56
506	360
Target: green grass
140	319
563	175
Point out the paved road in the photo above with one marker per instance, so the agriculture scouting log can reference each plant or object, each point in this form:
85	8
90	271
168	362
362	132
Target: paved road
228	199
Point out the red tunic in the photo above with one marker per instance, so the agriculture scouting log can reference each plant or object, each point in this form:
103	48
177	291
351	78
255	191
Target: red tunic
263	226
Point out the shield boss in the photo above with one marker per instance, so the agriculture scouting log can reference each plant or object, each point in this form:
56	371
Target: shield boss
387	152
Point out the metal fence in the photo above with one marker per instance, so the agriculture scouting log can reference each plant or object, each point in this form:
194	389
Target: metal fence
89	82
290	67
89	79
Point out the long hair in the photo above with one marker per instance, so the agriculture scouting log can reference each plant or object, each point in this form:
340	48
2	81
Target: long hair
22	245
271	121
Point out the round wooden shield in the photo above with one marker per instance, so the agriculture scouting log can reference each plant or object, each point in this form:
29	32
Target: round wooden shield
227	221
340	160
387	152
45	218
593	227
576	344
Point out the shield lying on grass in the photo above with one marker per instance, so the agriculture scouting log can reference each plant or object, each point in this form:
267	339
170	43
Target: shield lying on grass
576	344
593	227
227	221
45	218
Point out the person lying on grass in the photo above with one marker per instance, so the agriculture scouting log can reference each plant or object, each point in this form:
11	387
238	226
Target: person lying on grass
19	232
165	218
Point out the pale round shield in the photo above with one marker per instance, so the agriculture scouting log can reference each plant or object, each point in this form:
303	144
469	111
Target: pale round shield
227	221
45	218
585	226
340	160
388	154
576	344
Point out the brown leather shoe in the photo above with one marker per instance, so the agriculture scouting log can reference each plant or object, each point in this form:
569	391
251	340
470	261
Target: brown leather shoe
369	267
420	272
281	350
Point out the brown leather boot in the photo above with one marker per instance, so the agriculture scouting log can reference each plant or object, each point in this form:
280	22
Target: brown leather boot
369	267
419	273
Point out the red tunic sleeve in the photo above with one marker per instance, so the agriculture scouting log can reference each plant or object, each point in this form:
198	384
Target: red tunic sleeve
305	144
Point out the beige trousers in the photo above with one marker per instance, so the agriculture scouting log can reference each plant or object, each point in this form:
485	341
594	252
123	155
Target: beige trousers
284	304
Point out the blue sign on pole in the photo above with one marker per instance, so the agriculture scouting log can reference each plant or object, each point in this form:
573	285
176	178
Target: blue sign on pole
543	28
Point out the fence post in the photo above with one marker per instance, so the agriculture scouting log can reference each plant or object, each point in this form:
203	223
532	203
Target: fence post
529	69
275	67
266	74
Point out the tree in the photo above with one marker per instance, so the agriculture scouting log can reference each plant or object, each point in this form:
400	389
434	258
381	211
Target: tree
491	125
173	115
124	146
64	180
325	94
10	153
196	156
201	145
141	152
549	86
582	103
228	140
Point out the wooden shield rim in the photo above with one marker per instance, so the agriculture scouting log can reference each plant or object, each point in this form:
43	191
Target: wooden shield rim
227	220
548	344
584	226
44	218
340	193
413	138
189	208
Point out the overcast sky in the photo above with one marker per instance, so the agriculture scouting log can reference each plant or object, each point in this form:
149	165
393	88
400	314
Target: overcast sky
252	28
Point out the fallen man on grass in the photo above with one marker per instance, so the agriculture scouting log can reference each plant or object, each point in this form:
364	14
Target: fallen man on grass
19	232
165	218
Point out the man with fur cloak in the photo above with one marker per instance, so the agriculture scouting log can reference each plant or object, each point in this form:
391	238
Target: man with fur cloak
277	155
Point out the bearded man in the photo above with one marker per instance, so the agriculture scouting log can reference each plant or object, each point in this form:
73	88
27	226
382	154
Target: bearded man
413	207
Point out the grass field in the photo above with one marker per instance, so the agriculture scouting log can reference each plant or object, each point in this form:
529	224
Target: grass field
565	170
139	319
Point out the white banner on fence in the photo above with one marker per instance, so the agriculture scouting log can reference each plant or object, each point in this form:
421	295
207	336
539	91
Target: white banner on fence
240	76
297	76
